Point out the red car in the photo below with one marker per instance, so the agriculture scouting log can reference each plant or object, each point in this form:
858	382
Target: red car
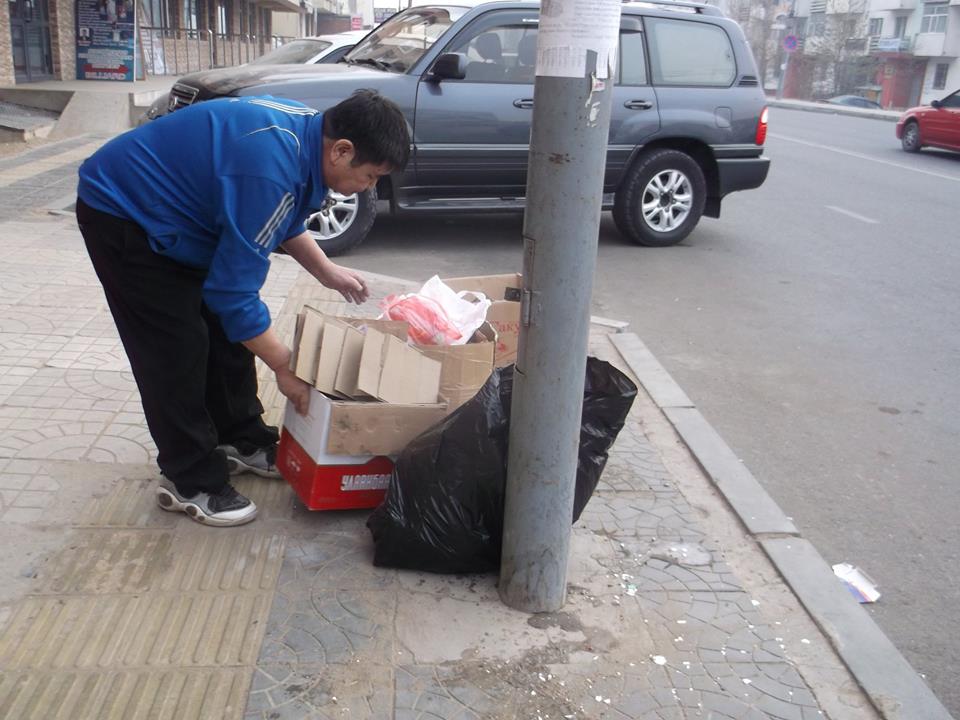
935	125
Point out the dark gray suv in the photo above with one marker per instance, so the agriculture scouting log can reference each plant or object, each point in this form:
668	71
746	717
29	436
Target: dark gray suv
688	125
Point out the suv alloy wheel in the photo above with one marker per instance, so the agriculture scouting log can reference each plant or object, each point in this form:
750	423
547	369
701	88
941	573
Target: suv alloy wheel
661	199
343	221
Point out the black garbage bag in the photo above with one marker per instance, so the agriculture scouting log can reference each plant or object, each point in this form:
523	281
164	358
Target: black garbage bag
443	511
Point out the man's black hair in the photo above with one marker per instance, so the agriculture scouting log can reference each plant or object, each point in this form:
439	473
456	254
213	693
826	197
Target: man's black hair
375	126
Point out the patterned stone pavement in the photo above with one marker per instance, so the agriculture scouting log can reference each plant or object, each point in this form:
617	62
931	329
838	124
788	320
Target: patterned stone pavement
115	609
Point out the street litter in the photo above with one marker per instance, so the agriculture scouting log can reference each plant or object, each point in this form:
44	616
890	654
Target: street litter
860	585
444	507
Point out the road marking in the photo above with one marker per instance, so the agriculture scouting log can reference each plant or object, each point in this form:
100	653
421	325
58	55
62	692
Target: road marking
864	157
855	216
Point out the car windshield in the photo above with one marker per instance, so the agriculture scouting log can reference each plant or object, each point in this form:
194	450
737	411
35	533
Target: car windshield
295	51
401	41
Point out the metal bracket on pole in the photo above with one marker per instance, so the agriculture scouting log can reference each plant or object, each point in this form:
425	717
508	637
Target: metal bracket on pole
529	301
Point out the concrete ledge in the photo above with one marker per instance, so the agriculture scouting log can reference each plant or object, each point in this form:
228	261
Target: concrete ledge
94	112
17	132
888	115
49	99
892	684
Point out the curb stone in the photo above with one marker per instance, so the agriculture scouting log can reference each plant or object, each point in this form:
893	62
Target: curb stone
886	115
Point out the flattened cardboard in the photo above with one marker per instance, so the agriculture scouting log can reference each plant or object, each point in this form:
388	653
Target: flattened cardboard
331	347
371	363
308	350
464	368
407	376
348	373
297	335
397	328
497	288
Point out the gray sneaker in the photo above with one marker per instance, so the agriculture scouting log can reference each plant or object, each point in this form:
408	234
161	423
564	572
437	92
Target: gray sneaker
223	509
262	461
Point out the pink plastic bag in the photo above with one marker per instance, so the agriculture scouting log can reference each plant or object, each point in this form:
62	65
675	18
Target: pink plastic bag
429	324
437	315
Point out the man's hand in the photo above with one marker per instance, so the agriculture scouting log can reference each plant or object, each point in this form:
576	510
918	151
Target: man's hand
303	248
294	389
348	283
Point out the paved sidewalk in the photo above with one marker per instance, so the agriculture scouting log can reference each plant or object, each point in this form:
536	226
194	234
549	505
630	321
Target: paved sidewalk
827	108
113	609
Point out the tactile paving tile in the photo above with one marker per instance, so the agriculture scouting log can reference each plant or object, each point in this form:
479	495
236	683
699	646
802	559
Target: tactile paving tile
126	694
132	503
67	632
135	561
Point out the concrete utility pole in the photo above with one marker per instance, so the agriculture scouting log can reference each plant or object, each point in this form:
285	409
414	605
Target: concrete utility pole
576	57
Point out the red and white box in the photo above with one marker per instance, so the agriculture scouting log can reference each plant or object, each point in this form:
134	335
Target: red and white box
339	456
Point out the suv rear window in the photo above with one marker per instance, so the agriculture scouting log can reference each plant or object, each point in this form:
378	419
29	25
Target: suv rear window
689	53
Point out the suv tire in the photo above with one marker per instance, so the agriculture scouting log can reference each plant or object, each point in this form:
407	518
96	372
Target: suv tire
910	141
672	185
343	222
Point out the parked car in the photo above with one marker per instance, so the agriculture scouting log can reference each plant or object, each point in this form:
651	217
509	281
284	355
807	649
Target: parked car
934	125
688	126
302	51
854	101
309	50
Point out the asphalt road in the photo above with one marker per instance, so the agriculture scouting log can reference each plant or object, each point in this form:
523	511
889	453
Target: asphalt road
816	326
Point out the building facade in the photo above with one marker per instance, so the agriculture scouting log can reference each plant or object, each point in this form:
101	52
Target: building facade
38	38
917	45
899	53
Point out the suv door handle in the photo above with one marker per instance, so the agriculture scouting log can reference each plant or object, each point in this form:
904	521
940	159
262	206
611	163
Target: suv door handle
523	103
638	104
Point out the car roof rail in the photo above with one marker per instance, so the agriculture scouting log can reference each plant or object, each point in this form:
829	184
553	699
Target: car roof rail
700	8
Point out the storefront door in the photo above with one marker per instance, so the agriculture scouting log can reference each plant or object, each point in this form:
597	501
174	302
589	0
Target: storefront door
30	38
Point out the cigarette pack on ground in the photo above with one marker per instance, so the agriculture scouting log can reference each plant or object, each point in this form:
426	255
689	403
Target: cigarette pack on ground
860	585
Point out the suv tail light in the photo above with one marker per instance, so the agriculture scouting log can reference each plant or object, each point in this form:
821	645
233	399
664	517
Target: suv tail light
762	127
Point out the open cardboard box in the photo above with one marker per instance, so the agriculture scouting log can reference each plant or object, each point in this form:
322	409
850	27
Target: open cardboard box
363	414
340	455
372	393
504	314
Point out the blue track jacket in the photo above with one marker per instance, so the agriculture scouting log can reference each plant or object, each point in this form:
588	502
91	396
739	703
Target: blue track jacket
217	185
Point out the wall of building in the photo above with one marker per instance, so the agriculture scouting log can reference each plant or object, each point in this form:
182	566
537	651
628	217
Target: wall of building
6	49
63	36
287	24
929	93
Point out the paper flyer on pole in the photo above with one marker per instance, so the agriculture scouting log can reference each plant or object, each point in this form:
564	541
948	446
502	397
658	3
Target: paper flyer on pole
569	29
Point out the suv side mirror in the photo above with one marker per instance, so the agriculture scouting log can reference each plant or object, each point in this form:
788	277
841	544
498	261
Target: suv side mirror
449	66
936	104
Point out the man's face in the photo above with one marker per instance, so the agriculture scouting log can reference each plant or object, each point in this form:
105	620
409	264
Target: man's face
340	173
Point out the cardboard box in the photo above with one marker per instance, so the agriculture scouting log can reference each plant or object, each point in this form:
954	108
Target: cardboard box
363	359
339	455
504	314
464	368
